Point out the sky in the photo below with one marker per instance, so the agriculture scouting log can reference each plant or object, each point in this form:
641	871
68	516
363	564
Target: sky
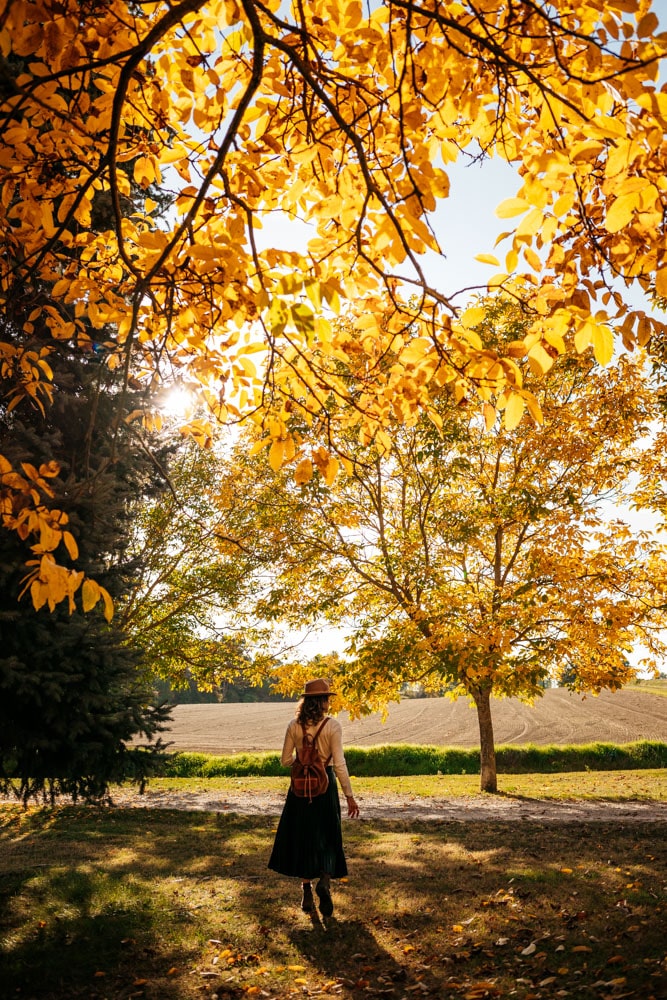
467	224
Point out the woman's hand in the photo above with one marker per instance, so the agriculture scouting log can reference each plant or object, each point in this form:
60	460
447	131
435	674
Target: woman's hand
352	807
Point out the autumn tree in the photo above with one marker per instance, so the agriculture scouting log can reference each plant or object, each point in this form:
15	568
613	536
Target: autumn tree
474	554
178	608
345	118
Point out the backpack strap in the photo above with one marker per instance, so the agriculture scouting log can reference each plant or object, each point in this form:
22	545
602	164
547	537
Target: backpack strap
321	727
313	739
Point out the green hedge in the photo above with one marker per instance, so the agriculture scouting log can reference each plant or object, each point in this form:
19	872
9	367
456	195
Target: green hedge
405	759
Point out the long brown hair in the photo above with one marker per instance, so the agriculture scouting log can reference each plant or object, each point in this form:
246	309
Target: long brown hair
311	709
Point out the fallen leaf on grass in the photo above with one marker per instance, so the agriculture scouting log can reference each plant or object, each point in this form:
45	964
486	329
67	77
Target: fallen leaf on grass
529	949
479	991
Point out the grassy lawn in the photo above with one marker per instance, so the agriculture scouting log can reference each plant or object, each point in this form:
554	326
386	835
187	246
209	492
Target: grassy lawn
653	686
173	905
618	786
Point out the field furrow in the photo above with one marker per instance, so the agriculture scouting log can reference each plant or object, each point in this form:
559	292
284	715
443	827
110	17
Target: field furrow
558	717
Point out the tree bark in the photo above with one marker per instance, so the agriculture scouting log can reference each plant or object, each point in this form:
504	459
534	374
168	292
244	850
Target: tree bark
487	750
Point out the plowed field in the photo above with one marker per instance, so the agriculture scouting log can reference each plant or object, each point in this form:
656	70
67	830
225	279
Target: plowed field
558	717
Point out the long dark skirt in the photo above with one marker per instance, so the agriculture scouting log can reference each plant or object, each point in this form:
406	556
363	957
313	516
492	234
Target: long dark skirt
309	838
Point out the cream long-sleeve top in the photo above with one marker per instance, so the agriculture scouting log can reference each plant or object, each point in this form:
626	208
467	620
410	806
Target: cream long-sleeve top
329	744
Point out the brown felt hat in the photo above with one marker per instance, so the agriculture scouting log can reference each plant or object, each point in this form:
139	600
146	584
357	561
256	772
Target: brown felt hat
318	687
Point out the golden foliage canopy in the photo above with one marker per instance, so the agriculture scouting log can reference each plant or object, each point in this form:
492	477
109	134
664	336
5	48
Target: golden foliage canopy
345	117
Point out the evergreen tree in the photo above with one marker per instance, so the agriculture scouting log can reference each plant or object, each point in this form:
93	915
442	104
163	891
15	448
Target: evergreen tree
73	701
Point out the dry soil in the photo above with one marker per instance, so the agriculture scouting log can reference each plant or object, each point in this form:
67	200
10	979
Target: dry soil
558	717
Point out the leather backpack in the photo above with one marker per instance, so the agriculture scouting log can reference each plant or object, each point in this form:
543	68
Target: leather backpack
309	775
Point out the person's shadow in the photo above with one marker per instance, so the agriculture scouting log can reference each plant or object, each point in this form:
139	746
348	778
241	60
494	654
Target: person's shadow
347	950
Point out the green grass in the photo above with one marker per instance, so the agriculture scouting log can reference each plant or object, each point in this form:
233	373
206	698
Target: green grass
408	759
647	785
121	904
653	686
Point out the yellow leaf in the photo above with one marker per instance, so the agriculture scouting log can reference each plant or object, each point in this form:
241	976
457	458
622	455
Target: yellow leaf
516	349
603	344
532	259
512	206
487	258
647	25
583	337
621	212
435	417
471	317
48	470
276	455
259	445
331	471
144	171
661	282
473	338
514	410
368	321
70	545
108	604
540	361
49	538
303	472
533	407
90	594
489	415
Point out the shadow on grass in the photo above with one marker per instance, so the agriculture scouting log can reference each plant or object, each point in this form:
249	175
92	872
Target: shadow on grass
177	905
101	903
93	932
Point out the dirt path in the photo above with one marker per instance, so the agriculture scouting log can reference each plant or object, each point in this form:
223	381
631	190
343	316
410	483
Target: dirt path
558	717
471	808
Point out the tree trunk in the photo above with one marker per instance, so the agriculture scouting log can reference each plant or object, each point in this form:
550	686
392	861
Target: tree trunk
487	750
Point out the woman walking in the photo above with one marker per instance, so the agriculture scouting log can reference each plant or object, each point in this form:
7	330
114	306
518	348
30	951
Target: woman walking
309	839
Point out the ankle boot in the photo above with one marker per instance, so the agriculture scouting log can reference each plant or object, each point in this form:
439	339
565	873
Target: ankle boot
307	901
324	893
